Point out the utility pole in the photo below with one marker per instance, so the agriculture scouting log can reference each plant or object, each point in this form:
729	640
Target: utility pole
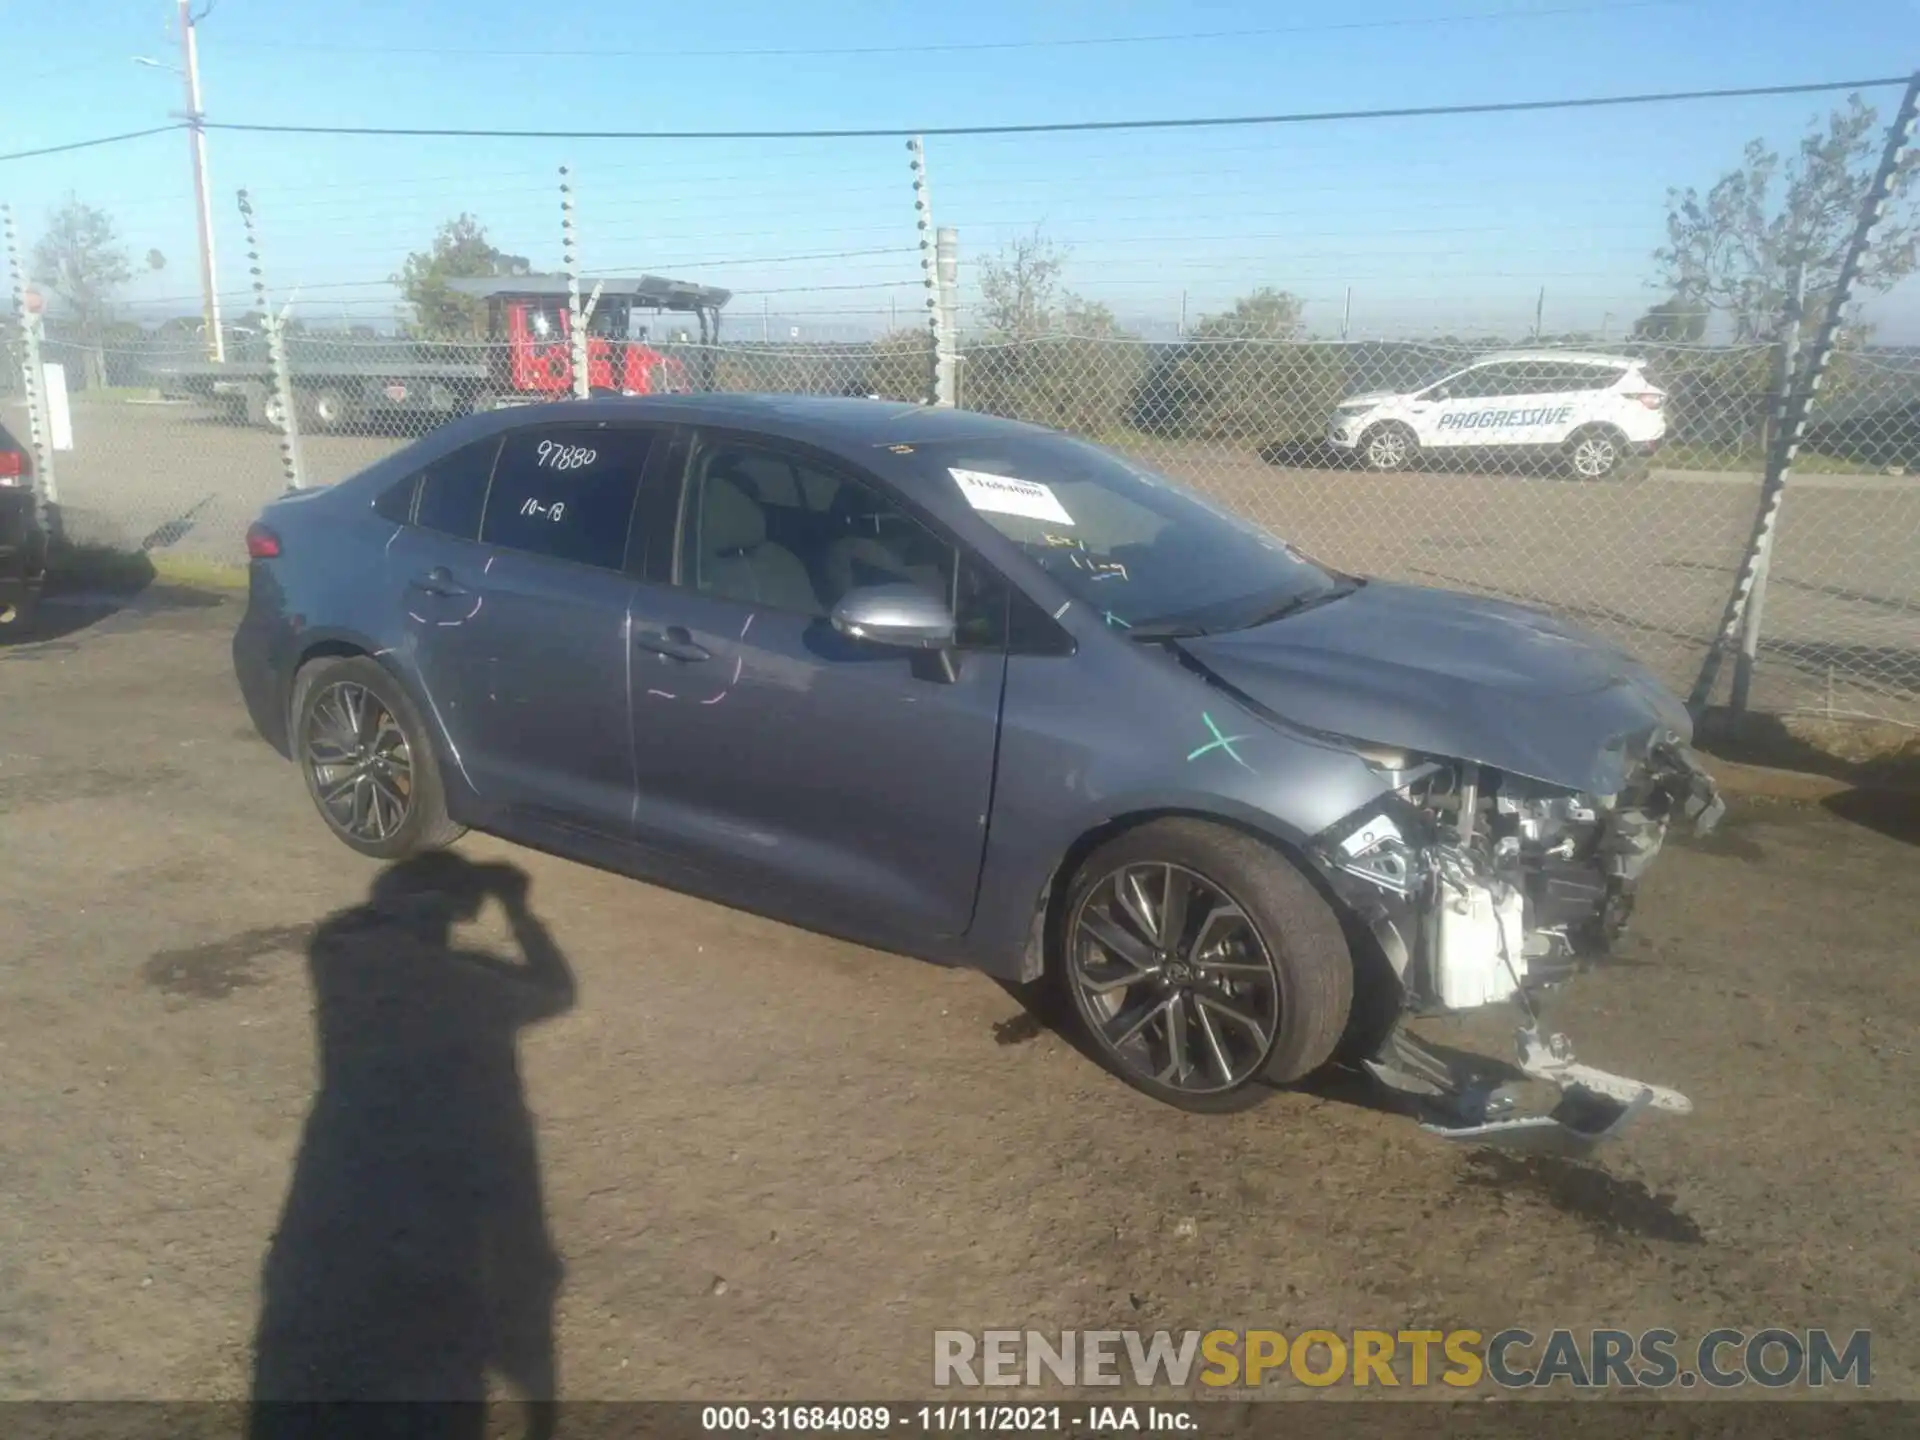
1346	314
203	205
1539	311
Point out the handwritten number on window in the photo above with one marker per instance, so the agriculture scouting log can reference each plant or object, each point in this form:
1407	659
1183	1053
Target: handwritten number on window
549	456
546	512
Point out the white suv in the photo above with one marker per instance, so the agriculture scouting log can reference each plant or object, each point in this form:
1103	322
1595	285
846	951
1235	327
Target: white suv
1591	411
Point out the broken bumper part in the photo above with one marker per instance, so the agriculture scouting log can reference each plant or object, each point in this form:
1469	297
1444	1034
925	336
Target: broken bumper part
1462	1101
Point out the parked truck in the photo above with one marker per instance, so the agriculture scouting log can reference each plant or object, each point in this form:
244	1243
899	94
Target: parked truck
528	356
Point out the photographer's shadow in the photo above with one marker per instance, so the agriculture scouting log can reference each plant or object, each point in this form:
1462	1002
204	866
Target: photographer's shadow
412	1260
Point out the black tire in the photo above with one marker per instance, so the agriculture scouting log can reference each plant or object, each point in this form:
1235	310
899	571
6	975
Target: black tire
424	825
1596	452
1389	448
17	616
1298	933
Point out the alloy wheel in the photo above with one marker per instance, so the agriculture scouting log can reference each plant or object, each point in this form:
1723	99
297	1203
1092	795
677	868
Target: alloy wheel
1387	450
1174	976
1595	456
360	761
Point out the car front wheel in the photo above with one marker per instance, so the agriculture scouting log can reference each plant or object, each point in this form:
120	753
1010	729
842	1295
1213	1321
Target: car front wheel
1389	447
1201	966
368	760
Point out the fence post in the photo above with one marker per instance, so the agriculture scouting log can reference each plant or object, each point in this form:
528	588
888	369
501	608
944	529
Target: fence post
570	262
39	424
1785	365
287	416
946	252
1793	423
939	319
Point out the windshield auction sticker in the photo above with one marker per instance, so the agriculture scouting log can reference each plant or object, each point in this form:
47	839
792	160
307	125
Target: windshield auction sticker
1004	495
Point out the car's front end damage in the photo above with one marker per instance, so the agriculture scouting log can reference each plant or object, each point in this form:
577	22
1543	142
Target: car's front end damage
1484	887
1529	775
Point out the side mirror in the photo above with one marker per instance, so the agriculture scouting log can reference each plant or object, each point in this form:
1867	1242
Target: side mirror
904	617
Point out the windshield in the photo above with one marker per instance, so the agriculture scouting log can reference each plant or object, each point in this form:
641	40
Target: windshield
1136	546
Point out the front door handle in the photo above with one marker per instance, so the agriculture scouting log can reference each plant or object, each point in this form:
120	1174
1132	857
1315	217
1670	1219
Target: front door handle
675	642
437	581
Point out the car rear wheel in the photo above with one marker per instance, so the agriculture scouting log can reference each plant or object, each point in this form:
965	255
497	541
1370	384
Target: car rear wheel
1389	447
368	760
1596	452
1201	966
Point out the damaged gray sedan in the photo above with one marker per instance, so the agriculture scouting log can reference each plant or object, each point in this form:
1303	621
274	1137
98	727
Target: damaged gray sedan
986	694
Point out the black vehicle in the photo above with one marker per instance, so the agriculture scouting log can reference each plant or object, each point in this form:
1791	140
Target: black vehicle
23	539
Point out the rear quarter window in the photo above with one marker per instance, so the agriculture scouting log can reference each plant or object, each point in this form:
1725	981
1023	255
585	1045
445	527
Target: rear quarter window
453	491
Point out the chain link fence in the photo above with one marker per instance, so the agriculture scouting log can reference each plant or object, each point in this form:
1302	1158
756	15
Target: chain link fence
1640	542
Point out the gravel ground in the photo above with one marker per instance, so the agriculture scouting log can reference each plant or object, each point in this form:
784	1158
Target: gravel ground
708	1155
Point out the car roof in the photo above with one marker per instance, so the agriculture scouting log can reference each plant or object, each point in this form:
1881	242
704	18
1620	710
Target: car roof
1572	357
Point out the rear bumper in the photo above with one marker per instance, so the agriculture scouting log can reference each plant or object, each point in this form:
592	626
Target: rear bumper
262	658
23	555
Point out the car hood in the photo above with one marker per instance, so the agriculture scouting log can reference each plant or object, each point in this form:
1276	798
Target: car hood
1454	676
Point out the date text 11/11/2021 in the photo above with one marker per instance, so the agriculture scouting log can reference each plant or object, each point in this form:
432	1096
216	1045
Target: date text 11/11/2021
949	1419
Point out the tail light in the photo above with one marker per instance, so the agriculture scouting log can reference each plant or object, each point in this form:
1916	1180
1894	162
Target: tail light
13	467
262	543
1652	399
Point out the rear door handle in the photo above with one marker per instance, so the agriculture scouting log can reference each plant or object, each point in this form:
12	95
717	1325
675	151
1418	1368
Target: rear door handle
675	642
437	581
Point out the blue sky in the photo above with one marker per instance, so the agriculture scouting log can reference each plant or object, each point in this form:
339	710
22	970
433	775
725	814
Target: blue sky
1439	224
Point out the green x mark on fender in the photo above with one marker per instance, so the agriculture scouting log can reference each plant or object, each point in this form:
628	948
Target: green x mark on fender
1220	742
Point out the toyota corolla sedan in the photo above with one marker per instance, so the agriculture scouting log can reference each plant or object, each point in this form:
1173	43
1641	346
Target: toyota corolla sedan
982	693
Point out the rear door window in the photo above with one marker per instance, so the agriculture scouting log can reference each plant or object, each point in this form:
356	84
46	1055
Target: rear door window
567	491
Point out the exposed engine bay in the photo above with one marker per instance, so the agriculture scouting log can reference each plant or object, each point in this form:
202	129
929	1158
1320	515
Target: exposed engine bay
1484	887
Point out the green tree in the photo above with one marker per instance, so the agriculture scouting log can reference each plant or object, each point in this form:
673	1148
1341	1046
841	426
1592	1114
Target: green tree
80	258
900	365
1247	376
1266	314
1675	321
1734	250
460	250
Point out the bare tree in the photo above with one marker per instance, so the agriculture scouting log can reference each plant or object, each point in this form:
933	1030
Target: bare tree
1734	250
1020	288
81	260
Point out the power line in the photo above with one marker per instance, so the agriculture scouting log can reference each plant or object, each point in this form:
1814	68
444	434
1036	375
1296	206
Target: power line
1044	128
954	47
892	132
89	144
